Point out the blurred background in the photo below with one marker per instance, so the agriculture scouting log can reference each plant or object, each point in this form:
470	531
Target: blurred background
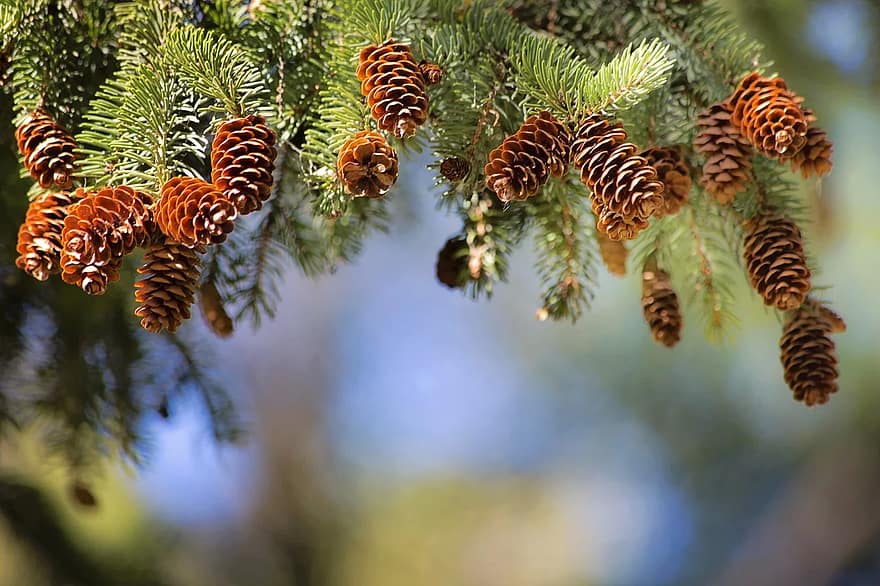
397	433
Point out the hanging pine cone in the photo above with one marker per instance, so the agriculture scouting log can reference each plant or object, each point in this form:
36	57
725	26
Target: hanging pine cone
99	230
673	171
452	263
47	149
242	161
808	354
626	190
769	115
524	161
814	159
728	167
367	165
171	277
777	266
193	212
213	311
392	82
660	307
613	253
455	168
431	72
39	238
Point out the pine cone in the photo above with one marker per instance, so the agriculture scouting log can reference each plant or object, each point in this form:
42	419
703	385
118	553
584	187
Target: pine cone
452	263
769	115
47	149
171	277
626	190
613	253
814	159
242	161
673	171
431	72
39	238
213	311
660	306
392	82
99	230
367	165
455	168
808	354
775	260
728	167
524	161
192	211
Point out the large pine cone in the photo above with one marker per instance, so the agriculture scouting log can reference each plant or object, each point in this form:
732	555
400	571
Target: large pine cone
728	167
213	312
660	307
99	230
242	161
524	161
626	190
776	263
395	89
367	165
193	212
39	237
452	263
613	253
47	149
171	277
808	354
673	171
769	115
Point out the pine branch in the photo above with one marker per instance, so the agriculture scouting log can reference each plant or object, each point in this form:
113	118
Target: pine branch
628	78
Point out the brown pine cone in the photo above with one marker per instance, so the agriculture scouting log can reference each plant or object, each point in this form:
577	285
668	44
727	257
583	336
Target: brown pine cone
673	171
524	161
455	168
192	211
367	165
452	263
728	167
613	253
431	72
775	260
242	161
626	190
47	149
392	82
39	238
808	354
814	159
769	115
171	277
99	230
660	307
213	311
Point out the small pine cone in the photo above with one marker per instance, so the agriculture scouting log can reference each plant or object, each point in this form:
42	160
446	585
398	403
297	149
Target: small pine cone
626	190
367	165
39	238
431	72
452	263
613	253
814	159
171	277
47	149
242	161
213	311
524	161
192	211
728	167
769	115
775	260
673	171
455	168
99	230
808	354
660	307
395	90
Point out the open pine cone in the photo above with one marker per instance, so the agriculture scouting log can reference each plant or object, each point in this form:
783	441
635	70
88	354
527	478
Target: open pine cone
769	115
673	171
661	308
808	353
192	211
47	149
395	89
728	167
367	165
166	293
39	238
776	263
242	161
